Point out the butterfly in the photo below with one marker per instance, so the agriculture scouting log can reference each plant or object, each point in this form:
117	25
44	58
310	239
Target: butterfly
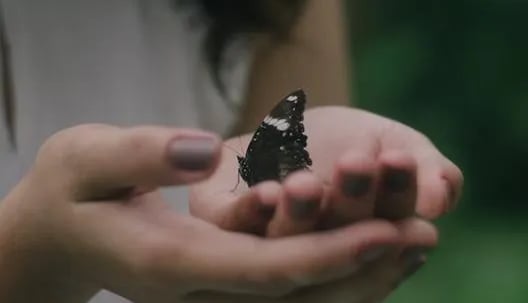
278	146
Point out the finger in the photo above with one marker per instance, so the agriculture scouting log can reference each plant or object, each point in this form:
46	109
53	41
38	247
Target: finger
224	187
276	267
299	206
377	280
455	181
439	187
252	212
177	250
373	284
99	160
398	188
432	195
419	237
353	191
417	233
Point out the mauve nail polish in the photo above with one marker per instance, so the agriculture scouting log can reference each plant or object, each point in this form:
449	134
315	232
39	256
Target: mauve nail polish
397	180
356	185
191	153
300	209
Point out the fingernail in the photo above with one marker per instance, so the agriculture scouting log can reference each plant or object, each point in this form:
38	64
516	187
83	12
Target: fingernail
373	254
413	259
191	153
303	209
356	186
265	211
397	180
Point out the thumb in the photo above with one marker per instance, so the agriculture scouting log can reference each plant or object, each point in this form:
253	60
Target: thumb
98	161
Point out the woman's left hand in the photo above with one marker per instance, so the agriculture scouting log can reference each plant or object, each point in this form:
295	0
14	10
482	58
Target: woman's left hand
364	166
368	166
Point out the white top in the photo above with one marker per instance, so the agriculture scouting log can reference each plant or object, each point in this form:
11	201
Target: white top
123	62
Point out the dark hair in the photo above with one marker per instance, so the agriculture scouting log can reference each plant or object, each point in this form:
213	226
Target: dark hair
226	20
229	20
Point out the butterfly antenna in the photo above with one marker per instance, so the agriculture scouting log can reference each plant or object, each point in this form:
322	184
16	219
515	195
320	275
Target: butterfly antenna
236	185
232	149
240	142
238	154
238	174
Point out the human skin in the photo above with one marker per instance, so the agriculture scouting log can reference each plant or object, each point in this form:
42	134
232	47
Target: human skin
406	177
60	241
87	217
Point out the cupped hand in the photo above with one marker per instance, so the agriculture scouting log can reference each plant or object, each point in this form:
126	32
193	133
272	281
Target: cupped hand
88	216
365	167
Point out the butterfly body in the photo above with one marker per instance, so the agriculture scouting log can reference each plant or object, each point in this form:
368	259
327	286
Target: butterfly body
278	146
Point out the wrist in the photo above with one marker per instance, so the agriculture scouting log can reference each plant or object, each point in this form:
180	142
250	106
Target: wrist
32	268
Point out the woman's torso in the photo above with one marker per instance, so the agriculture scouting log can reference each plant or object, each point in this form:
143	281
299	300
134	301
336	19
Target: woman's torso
120	62
105	61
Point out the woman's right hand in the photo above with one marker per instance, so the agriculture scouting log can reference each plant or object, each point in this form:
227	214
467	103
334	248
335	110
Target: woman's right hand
87	216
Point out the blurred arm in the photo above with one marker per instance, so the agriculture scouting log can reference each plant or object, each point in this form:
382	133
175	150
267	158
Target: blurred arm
315	59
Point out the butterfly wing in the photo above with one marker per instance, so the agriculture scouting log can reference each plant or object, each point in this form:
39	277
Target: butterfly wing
278	145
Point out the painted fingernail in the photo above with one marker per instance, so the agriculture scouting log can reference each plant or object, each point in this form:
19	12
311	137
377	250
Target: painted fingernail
373	254
413	259
303	209
265	211
192	154
397	180
356	185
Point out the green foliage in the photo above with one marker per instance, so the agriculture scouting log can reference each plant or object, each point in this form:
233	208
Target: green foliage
458	71
478	260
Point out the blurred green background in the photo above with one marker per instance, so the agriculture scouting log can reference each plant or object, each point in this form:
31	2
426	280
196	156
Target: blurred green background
458	71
